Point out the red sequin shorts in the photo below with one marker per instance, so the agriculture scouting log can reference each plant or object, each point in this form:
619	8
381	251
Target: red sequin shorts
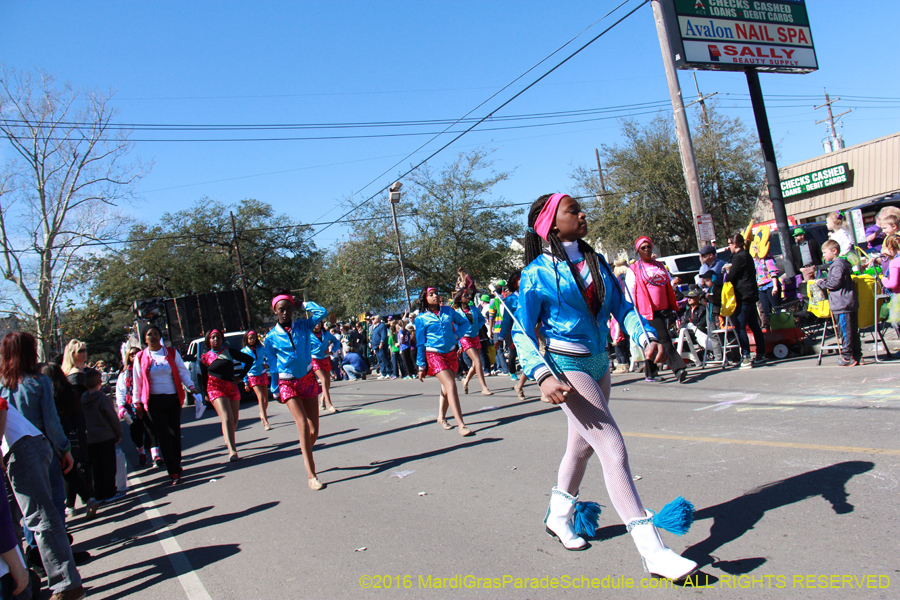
219	388
255	380
469	342
442	362
305	388
321	364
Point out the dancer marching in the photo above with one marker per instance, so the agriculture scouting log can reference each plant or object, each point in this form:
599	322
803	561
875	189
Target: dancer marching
288	352
571	291
469	343
217	383
512	305
257	379
436	352
322	342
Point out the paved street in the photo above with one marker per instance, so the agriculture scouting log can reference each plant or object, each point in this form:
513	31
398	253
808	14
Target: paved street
793	470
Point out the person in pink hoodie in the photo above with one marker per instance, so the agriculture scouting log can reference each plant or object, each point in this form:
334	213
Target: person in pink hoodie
651	291
890	277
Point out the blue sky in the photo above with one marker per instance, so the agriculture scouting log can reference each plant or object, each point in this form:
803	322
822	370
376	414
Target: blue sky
337	62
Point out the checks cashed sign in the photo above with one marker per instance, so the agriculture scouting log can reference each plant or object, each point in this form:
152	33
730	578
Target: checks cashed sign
740	34
816	180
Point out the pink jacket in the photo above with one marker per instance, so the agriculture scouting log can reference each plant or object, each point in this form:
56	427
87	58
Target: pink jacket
891	280
142	383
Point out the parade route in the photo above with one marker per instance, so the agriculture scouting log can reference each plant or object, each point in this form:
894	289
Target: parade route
794	480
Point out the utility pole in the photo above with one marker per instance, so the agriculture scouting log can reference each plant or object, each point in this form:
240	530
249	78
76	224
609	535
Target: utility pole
682	130
600	171
237	251
395	198
720	186
837	142
772	178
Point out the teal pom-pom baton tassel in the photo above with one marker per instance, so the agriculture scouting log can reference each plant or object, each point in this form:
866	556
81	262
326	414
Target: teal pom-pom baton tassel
675	517
586	518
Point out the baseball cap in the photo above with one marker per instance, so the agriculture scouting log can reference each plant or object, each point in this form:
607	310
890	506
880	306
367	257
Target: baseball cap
799	231
708	249
485	298
707	274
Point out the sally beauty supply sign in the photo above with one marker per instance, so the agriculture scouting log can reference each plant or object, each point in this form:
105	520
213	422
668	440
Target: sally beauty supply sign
736	35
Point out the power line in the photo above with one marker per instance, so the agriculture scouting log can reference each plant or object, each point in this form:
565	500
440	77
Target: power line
528	87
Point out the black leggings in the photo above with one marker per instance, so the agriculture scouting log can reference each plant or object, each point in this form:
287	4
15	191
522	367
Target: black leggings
141	431
165	412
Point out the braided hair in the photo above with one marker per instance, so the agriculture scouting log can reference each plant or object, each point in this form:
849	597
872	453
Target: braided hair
534	248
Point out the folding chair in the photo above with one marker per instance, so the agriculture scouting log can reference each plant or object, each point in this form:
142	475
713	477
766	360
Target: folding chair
726	345
685	336
837	336
877	334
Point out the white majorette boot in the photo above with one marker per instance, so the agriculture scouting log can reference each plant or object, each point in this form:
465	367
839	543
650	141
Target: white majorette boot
657	558
559	520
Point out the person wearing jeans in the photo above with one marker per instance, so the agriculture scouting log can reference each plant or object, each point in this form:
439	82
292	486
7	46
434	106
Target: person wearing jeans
354	365
34	469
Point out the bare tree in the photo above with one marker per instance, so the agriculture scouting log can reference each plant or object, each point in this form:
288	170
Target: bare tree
59	191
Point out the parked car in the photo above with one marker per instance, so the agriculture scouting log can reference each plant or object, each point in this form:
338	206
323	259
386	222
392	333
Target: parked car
687	266
197	348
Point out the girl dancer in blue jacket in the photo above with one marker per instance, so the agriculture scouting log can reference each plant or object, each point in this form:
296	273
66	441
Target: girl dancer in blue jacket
288	352
257	379
436	352
571	292
469	343
322	342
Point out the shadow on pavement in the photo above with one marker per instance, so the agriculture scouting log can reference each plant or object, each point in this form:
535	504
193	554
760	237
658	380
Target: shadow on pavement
382	466
734	518
150	572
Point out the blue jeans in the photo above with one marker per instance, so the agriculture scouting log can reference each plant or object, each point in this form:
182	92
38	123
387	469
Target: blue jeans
353	374
58	494
29	466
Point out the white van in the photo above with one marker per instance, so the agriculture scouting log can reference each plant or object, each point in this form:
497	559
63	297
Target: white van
687	266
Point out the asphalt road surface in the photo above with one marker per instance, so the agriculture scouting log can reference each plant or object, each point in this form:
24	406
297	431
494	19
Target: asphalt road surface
793	470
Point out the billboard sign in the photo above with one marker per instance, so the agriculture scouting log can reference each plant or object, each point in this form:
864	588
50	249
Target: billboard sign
734	35
816	180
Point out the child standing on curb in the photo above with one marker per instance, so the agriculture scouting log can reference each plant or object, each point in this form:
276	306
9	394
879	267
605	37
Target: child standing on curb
843	302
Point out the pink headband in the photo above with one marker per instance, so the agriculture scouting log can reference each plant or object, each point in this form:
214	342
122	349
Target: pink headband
278	299
544	221
640	241
428	290
251	332
214	331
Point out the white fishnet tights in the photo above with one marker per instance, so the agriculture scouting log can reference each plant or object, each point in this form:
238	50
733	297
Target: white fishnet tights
593	429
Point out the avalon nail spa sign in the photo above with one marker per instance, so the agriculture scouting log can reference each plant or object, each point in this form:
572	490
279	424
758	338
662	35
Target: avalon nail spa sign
740	34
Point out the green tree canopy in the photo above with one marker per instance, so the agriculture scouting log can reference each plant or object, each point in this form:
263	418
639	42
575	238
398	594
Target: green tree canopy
448	218
646	192
192	252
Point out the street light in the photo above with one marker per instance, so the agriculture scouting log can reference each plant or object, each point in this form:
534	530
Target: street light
395	198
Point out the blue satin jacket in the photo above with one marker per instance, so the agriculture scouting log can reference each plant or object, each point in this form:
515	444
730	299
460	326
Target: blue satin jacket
435	332
320	347
477	320
512	304
292	353
258	354
564	314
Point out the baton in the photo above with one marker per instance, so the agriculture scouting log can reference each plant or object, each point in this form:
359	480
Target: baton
553	370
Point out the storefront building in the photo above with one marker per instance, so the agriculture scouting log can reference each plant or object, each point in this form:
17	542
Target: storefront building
865	177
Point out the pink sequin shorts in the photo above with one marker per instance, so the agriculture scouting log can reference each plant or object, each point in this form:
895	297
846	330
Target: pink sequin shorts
442	362
255	380
219	388
469	342
305	388
321	364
